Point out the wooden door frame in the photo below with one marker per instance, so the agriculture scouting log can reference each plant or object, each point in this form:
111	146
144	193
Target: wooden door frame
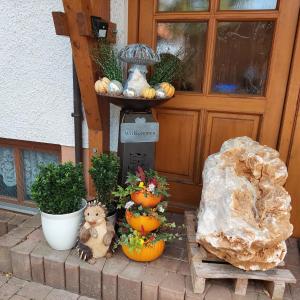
292	103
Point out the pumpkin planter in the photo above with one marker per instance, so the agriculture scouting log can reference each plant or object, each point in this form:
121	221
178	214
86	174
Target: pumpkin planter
147	253
149	200
143	224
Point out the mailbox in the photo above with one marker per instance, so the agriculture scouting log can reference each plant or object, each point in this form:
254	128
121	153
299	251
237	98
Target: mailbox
138	134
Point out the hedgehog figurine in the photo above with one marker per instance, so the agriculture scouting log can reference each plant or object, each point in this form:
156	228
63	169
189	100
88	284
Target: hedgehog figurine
95	235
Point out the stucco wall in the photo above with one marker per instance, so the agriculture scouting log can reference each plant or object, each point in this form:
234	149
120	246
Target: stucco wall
36	93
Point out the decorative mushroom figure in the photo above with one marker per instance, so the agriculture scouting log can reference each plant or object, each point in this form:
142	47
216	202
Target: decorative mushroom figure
139	56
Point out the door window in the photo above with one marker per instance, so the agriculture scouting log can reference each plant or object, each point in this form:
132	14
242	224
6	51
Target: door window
183	5
242	54
187	41
247	4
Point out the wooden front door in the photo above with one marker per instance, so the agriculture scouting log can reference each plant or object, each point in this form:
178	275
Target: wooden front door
236	57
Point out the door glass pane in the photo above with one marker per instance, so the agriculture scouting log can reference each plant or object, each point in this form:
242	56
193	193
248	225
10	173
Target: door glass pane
242	54
183	5
187	41
8	182
247	4
31	162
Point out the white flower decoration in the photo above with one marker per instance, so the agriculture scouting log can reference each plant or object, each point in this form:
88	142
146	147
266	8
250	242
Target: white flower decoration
151	187
161	209
129	204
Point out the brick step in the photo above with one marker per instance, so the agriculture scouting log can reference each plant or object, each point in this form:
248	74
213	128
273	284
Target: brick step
113	278
25	253
10	220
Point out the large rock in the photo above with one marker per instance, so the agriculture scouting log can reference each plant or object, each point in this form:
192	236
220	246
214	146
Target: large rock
244	215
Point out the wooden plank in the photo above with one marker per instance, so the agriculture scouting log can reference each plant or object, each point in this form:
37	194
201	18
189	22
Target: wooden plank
197	282
60	23
240	287
276	289
85	68
213	270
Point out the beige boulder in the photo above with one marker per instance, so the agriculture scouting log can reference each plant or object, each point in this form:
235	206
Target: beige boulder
244	215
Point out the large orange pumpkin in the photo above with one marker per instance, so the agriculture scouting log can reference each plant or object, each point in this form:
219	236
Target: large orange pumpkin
148	223
149	200
147	253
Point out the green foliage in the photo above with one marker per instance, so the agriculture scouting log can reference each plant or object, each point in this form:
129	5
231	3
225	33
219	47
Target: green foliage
104	172
136	241
169	69
59	189
145	180
106	58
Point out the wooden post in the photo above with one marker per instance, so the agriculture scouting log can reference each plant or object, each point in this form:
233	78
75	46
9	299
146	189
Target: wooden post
75	22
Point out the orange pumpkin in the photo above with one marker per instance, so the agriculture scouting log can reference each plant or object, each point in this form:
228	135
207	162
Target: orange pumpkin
140	223
147	253
149	200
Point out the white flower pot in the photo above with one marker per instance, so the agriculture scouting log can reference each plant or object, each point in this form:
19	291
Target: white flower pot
61	231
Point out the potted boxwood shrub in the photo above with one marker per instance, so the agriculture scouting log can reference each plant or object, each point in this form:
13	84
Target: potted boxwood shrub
104	172
59	190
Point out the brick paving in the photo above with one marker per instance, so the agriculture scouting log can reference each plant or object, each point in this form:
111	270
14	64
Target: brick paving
168	277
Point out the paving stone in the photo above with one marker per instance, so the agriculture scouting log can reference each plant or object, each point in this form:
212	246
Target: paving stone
20	232
20	257
3	227
248	296
7	291
3	279
174	252
36	235
113	266
85	298
295	292
90	278
54	266
34	221
6	243
61	295
218	292
35	291
17	282
165	263
16	221
189	293
72	272
184	268
151	280
172	287
130	281
177	243
17	297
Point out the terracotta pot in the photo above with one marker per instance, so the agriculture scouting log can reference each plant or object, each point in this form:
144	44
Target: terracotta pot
149	200
147	253
148	223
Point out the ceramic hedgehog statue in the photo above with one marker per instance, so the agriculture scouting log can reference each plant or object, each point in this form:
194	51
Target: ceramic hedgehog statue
95	234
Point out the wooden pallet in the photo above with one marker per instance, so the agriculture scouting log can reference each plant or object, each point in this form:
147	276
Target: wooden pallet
204	265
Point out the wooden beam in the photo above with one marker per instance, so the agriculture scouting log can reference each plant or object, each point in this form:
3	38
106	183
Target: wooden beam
60	23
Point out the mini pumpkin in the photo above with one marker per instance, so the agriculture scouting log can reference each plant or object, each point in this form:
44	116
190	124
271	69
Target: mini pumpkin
168	88
101	85
148	93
